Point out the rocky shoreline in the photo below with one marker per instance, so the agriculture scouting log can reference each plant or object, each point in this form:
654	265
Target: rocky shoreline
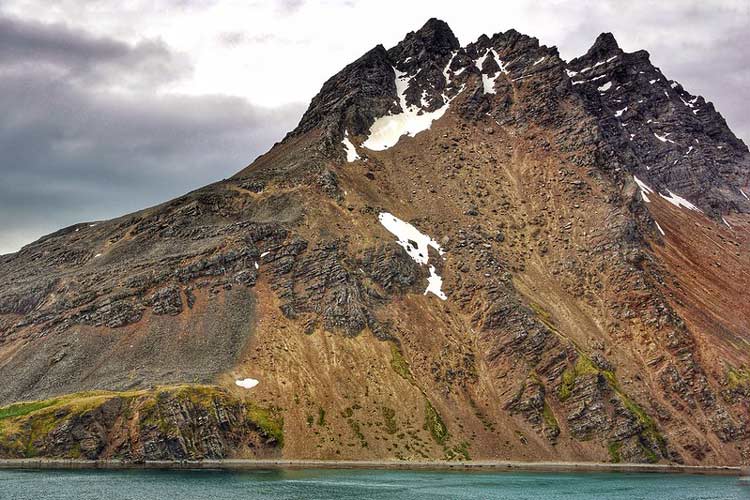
490	466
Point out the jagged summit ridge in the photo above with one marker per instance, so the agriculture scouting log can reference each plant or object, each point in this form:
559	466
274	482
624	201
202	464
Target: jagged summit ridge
665	144
431	57
673	140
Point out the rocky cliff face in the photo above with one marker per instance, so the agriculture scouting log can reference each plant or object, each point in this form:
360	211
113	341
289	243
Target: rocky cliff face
171	423
461	252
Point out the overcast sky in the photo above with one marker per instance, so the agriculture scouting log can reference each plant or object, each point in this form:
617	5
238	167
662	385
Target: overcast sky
108	106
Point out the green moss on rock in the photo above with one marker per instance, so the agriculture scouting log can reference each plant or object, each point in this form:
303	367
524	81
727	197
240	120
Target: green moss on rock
270	423
614	452
433	423
549	418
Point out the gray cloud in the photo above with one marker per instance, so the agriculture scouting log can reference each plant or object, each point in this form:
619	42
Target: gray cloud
27	46
74	150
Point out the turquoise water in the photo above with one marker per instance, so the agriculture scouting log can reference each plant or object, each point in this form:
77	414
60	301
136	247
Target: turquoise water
360	485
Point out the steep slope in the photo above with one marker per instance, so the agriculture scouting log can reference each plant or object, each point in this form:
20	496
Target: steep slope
478	251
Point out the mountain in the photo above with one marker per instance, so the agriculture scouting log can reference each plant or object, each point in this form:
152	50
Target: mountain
478	251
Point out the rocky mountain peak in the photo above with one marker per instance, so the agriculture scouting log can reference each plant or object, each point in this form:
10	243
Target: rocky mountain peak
354	95
668	138
605	45
435	37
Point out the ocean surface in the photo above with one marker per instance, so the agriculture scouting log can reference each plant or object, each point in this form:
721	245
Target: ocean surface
361	485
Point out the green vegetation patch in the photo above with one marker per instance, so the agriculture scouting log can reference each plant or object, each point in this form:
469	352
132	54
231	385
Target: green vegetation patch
399	364
650	430
614	452
22	425
269	422
357	430
549	418
321	417
389	419
583	366
544	316
737	378
649	433
22	409
433	423
458	452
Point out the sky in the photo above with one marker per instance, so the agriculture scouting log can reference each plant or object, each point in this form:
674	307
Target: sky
108	106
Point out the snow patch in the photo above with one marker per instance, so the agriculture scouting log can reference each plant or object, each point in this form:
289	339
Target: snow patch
386	131
660	229
446	73
435	285
423	100
351	151
605	87
500	63
417	247
570	73
488	81
479	62
663	138
645	189
619	113
743	194
689	104
539	60
246	383
410	238
679	201
725	222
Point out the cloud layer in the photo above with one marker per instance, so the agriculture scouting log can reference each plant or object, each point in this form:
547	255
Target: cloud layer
86	134
109	107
